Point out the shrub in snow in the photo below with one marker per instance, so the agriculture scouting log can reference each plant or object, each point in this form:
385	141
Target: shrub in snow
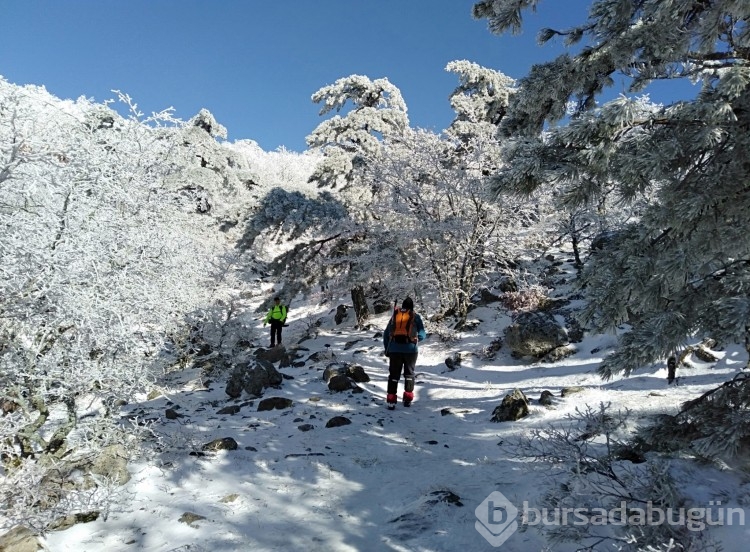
589	463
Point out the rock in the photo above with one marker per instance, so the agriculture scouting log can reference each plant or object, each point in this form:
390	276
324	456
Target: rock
381	305
559	353
453	362
190	518
153	394
330	371
487	296
567	391
172	414
340	383
253	378
704	354
112	462
225	443
535	334
69	521
340	376
274	403
305	427
229	410
546	398
448	497
515	406
271	355
357	373
341	314
234	386
243	345
338	421
19	539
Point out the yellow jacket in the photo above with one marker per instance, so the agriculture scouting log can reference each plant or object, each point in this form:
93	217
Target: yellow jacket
277	312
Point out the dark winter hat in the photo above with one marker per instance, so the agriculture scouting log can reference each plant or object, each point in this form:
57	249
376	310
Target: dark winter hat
277	298
408	304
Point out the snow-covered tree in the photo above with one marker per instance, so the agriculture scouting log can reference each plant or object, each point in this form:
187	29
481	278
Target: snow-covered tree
443	223
376	111
480	100
99	264
683	267
420	200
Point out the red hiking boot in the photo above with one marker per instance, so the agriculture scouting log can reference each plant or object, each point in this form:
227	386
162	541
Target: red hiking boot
390	400
408	398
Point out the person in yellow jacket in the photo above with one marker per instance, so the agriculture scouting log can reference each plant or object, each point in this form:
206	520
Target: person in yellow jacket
277	317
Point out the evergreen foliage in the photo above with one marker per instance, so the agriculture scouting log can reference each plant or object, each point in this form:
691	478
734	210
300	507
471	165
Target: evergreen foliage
377	110
480	100
682	268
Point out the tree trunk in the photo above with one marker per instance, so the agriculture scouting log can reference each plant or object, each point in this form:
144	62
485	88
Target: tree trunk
360	305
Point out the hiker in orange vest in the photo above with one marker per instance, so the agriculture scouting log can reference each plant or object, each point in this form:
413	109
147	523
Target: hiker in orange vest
405	329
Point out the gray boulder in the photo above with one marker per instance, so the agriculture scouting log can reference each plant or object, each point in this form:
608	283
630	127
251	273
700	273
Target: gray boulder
342	376
19	539
535	334
546	398
342	312
273	355
338	421
112	462
559	353
225	443
253	378
340	383
274	403
515	406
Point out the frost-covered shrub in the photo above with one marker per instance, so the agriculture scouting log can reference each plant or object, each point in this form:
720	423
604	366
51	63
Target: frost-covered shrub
590	463
99	265
529	298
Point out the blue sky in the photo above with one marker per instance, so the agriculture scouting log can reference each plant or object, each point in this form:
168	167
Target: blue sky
255	63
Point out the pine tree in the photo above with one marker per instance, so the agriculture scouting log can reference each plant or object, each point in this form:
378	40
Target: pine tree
682	268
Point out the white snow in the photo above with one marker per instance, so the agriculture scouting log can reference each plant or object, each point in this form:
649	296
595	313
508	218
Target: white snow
374	484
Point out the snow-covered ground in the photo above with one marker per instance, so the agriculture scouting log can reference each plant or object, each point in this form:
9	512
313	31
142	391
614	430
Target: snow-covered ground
404	480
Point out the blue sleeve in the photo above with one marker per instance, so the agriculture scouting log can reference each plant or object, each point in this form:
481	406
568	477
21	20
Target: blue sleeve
387	334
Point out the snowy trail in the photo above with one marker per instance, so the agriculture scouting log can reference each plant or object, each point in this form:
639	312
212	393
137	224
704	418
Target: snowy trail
408	479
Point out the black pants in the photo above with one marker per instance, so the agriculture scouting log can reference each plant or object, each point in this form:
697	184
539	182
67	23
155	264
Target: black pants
276	326
399	362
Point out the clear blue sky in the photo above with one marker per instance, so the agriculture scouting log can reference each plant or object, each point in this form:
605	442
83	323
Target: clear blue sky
255	63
